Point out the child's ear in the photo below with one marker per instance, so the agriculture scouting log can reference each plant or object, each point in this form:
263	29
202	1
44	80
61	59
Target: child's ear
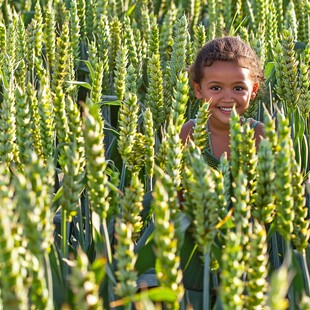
254	91
197	90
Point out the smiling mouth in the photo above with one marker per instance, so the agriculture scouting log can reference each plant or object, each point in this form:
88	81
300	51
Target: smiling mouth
223	109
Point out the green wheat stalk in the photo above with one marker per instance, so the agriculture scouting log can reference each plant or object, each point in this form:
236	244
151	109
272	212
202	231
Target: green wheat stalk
92	54
150	144
129	37
235	142
167	265
199	37
30	47
304	97
248	159
60	14
177	62
20	52
145	20
72	182
61	65
2	39
232	286
34	198
46	119
128	117
137	51
124	254
61	121
260	12
11	46
257	271
8	148
35	119
81	12
283	180
155	95
280	15
290	20
103	40
200	134
101	8
286	70
121	62
153	40
38	30
279	284
84	284
49	34
131	80
195	14
166	33
14	293
304	303
96	167
136	160
205	212
174	143
76	130
90	18
301	223
24	137
115	26
272	36
264	197
132	206
302	15
242	211
96	91
75	32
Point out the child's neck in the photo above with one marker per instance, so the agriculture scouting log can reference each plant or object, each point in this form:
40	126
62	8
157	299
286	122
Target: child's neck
218	127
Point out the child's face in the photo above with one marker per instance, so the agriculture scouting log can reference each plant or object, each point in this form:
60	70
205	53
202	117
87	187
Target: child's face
226	84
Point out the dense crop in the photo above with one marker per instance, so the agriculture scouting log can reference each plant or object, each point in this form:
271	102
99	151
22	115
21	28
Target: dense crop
93	97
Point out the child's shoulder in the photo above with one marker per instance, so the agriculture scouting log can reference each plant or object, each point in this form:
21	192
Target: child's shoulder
258	129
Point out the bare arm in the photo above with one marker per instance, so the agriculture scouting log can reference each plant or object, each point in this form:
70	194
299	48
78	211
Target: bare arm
259	133
187	131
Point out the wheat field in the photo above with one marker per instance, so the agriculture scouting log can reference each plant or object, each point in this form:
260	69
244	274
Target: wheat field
93	94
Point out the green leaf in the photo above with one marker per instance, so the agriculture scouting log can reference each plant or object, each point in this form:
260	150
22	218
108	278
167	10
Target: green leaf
91	69
80	83
59	290
145	250
131	9
115	103
304	153
298	280
146	258
4	80
272	229
299	123
58	194
269	70
156	294
190	258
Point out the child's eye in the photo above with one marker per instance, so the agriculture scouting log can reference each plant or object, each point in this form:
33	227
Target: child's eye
238	88
215	87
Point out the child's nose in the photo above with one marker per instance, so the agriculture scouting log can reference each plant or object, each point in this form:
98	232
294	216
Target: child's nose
228	96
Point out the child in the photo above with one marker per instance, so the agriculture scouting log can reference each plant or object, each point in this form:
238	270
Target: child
228	73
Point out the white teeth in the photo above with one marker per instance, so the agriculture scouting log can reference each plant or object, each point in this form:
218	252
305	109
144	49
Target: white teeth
226	109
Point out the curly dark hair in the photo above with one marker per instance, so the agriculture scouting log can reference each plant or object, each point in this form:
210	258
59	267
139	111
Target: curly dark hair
227	48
